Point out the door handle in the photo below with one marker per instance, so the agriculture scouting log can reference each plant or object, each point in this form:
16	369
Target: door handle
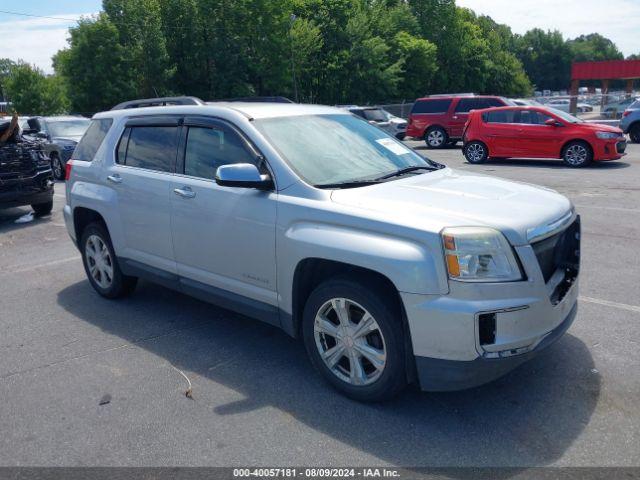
115	178
184	192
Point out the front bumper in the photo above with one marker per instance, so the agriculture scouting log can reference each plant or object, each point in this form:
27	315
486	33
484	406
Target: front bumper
32	190
609	149
479	331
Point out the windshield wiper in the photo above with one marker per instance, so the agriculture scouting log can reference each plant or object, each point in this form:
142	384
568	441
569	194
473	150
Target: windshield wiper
402	171
349	184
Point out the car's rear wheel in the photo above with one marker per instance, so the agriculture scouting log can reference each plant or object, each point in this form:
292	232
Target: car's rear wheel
476	152
42	209
577	154
353	335
634	133
57	166
436	137
101	264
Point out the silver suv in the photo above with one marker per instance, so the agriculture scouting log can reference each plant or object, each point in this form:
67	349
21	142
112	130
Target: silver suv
390	267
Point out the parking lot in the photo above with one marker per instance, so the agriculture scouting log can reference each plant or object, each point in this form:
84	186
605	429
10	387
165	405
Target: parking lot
88	381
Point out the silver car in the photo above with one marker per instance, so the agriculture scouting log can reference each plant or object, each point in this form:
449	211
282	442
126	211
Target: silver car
379	117
390	267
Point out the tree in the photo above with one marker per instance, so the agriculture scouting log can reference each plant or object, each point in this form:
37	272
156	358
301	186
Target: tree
419	64
592	48
97	66
31	92
546	58
6	65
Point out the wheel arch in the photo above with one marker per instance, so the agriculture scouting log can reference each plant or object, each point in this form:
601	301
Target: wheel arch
83	216
578	139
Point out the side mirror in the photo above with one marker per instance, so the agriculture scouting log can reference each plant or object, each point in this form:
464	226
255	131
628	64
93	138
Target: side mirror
244	175
552	122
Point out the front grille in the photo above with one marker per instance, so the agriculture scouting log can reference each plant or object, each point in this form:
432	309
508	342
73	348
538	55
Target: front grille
621	146
560	252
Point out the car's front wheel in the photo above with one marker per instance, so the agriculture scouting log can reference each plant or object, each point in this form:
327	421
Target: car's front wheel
101	264
577	154
57	166
353	334
634	133
436	137
476	152
42	209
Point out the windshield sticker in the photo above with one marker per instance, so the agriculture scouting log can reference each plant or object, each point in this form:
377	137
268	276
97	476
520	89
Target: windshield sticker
392	145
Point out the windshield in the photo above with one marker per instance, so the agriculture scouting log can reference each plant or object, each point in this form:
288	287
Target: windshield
567	117
331	149
68	128
375	115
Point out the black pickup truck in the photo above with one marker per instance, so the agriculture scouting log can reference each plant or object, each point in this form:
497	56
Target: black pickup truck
25	172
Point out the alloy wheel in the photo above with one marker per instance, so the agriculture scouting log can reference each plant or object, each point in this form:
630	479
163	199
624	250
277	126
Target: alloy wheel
475	152
576	155
99	261
350	341
435	138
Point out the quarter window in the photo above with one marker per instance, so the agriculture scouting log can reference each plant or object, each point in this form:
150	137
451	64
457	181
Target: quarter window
153	148
209	148
92	139
431	106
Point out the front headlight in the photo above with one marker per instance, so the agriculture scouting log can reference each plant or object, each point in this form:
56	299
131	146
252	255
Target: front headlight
607	135
479	254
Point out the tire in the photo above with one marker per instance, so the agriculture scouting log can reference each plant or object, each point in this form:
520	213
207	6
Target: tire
476	152
99	257
372	380
577	154
436	137
42	209
401	136
57	166
634	133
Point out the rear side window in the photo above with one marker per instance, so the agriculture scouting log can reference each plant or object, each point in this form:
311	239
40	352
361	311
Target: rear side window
468	104
92	139
431	106
152	148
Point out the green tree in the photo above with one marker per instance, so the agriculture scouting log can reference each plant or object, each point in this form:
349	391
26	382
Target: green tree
419	64
592	48
6	65
96	66
31	92
546	58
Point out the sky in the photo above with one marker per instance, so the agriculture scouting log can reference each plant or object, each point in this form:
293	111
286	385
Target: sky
36	40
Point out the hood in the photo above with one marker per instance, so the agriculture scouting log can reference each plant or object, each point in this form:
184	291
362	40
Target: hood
599	127
448	198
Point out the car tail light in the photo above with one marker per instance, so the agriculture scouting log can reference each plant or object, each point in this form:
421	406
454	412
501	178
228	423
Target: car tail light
67	170
626	112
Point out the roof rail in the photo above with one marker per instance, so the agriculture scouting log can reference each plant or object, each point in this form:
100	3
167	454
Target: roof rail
158	102
452	95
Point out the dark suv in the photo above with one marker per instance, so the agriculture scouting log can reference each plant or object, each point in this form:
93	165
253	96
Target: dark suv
60	135
25	171
440	119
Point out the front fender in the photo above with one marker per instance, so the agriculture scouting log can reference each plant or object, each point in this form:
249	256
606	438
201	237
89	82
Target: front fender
412	267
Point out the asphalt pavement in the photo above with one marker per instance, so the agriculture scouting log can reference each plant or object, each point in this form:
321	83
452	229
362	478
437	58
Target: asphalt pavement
86	381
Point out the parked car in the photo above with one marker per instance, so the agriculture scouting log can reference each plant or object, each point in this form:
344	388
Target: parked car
538	132
336	234
60	135
630	122
440	119
382	119
564	104
524	102
25	171
615	109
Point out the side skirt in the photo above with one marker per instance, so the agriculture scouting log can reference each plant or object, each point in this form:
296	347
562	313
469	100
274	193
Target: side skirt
207	293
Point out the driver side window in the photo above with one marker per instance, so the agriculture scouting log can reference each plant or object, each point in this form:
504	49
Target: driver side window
209	148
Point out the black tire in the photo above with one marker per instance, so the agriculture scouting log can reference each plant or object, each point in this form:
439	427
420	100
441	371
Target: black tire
436	137
476	152
634	133
577	154
401	136
57	166
42	209
120	285
388	337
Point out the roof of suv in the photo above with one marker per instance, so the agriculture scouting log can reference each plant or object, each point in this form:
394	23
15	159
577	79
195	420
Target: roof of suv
452	96
249	109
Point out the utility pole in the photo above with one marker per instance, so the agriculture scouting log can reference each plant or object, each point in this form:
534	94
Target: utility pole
293	65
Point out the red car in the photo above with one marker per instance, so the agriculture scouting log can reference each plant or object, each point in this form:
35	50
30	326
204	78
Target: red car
440	119
538	132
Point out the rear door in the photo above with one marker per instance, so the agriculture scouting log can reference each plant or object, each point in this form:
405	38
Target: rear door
502	133
142	178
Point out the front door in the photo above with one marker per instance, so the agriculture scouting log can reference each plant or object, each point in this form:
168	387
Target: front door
223	237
